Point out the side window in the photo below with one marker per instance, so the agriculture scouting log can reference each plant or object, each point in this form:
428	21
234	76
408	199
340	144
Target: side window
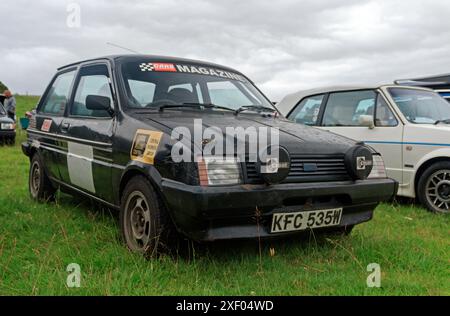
94	80
307	111
345	108
384	116
58	96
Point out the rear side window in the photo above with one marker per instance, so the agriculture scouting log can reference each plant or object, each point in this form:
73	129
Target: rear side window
345	108
94	80
307	111
58	95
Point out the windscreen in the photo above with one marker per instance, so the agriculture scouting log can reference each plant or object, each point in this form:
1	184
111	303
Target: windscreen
151	84
421	106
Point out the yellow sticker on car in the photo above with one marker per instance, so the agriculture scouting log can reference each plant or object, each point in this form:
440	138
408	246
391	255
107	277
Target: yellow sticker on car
145	146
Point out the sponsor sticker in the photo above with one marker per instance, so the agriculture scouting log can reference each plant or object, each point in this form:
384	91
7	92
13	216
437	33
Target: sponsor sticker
145	146
165	67
191	69
46	125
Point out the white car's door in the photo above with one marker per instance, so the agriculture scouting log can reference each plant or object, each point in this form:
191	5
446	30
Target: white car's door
366	115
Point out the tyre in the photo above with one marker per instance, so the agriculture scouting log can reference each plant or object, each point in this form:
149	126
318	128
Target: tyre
433	188
39	184
144	222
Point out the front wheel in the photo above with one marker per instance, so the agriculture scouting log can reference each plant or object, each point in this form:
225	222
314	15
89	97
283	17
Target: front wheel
144	222
39	184
434	188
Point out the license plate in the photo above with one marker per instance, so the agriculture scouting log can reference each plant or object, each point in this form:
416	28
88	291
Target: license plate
6	126
286	222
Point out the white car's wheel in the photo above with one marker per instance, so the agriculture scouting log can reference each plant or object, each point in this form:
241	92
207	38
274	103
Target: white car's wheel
434	188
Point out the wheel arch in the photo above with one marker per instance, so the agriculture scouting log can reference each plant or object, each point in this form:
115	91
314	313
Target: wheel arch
133	170
425	165
151	174
32	151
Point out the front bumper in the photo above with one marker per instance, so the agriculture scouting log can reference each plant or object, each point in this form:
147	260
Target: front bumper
7	133
245	211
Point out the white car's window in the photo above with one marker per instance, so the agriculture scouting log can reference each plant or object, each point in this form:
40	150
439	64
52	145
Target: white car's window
307	111
345	108
384	116
421	106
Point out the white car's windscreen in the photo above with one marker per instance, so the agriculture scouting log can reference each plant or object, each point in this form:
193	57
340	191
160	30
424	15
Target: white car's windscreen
421	106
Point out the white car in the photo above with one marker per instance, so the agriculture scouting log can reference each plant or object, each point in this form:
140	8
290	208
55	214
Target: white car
409	126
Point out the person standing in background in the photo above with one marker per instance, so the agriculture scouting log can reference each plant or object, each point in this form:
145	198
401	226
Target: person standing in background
10	104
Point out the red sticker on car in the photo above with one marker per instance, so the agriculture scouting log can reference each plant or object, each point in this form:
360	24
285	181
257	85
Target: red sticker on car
46	125
167	67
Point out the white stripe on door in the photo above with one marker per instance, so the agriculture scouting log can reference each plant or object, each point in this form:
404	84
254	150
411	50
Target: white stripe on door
79	163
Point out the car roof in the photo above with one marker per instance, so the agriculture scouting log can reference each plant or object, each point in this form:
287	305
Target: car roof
290	100
139	57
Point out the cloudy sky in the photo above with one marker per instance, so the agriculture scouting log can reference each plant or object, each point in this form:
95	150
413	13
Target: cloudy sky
283	46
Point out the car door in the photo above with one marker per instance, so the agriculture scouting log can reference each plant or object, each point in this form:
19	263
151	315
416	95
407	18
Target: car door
49	115
89	134
365	115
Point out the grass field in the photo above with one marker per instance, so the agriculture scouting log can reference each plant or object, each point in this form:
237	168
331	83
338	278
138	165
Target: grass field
38	241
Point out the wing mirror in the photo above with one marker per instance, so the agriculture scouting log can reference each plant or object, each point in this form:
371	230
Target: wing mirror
367	120
99	103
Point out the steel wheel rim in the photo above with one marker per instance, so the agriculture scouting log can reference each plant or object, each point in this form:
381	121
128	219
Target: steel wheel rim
137	221
438	190
35	178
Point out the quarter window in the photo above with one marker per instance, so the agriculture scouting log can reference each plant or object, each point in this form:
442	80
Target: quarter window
307	111
94	80
384	116
58	95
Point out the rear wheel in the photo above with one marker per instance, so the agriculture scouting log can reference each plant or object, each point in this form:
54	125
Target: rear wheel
434	188
39	184
144	222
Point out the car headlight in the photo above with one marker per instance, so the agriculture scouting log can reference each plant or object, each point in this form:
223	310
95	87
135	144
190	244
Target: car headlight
7	126
378	169
219	171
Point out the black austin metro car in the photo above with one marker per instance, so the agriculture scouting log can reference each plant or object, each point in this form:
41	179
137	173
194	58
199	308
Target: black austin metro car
106	128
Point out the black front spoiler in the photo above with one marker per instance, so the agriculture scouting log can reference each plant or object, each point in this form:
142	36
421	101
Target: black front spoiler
245	211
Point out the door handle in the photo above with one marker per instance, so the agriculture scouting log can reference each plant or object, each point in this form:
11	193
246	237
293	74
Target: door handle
65	127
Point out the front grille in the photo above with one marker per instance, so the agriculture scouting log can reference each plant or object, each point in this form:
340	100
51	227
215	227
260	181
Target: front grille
329	168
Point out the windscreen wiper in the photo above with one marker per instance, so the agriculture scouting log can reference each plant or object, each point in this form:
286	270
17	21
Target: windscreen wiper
446	121
211	106
194	105
258	108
